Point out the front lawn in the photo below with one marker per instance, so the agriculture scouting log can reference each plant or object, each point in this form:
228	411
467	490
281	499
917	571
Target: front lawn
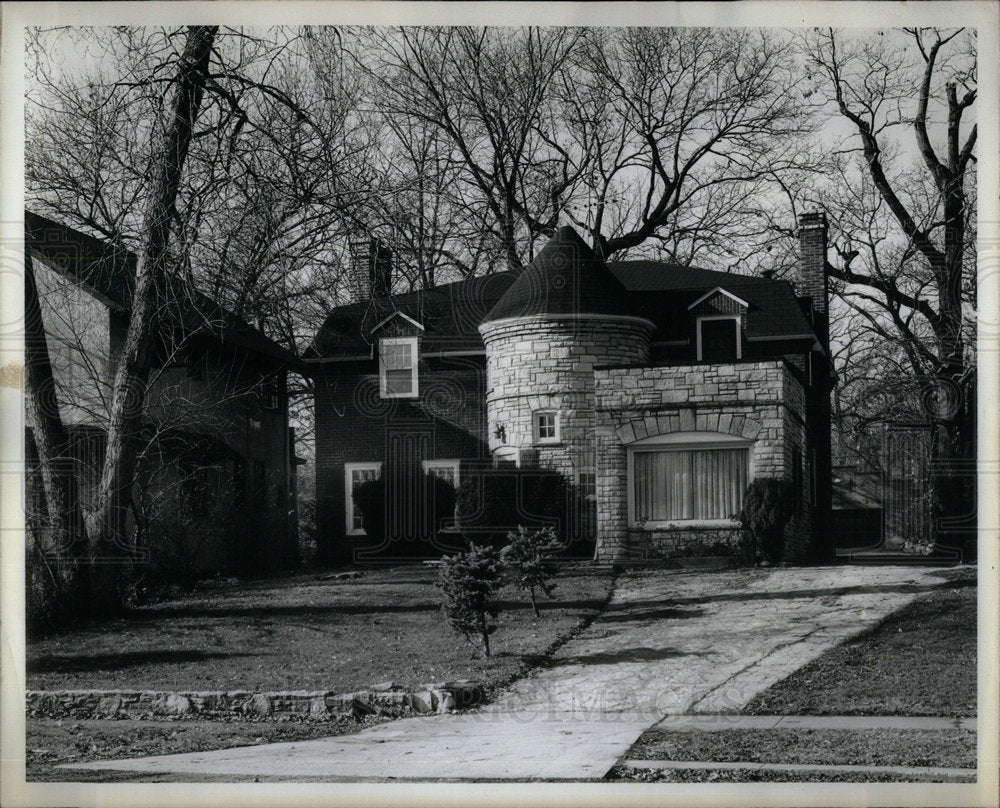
951	748
921	660
306	633
50	742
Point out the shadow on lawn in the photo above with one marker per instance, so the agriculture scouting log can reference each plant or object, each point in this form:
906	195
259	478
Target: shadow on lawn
227	610
630	613
838	591
78	663
625	655
224	610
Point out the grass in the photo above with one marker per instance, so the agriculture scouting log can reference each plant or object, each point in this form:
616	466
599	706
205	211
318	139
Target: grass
952	748
921	660
634	775
54	742
301	633
305	633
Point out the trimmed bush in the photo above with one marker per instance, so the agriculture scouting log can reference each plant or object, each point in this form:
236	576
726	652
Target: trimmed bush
407	523
495	501
768	504
527	561
470	581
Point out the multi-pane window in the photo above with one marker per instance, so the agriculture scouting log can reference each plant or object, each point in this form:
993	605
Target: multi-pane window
688	484
546	426
398	367
268	393
587	482
445	469
354	475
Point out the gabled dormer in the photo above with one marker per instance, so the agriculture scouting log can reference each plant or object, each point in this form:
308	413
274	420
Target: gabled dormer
719	321
397	340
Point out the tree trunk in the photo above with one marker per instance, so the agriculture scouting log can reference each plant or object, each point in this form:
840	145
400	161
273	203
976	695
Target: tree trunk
59	481
485	634
534	604
108	528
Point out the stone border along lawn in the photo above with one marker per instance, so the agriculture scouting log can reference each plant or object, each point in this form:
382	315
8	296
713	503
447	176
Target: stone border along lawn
73	725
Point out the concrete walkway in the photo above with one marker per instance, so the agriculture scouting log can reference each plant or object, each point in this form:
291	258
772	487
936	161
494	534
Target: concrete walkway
670	643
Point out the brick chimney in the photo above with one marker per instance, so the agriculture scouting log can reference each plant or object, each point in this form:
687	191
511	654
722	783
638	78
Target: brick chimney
371	269
812	266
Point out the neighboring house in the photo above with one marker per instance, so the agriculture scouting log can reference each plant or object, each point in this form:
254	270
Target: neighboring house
215	488
661	390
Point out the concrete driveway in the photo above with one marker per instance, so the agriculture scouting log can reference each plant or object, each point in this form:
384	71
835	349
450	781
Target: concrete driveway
670	643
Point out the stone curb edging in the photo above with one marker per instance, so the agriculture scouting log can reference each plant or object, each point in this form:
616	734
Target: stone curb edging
437	697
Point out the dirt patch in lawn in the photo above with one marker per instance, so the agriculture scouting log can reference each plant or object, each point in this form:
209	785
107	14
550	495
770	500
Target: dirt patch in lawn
306	633
921	660
51	743
881	747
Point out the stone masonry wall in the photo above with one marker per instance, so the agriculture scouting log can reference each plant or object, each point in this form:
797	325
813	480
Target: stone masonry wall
539	364
759	401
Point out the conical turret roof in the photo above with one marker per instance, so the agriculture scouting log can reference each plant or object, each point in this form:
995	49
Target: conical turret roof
565	278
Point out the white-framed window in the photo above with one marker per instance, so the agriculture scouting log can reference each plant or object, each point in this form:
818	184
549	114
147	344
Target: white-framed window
397	367
354	475
586	482
546	426
719	337
445	469
687	477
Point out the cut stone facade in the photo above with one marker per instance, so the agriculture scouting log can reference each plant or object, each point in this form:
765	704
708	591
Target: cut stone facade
545	363
760	402
610	355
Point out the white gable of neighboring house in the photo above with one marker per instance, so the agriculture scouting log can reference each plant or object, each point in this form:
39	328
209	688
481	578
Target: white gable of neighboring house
78	336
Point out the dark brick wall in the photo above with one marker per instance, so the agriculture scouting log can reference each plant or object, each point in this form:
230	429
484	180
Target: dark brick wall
353	424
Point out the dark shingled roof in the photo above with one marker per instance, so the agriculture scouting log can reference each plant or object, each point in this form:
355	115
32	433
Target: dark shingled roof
662	292
450	314
659	291
108	272
566	277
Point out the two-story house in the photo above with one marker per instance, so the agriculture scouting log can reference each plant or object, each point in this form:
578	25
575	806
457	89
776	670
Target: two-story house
661	389
216	474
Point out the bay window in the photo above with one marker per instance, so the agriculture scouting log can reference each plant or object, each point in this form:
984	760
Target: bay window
697	477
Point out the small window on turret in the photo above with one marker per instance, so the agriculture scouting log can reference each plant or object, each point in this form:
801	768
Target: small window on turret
546	426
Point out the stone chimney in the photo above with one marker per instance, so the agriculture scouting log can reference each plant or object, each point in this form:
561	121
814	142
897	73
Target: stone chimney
371	269
812	264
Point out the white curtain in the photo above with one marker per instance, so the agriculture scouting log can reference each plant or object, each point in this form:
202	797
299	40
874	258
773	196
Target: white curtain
690	484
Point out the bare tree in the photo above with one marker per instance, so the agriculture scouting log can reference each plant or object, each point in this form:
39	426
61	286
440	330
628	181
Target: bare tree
904	228
654	137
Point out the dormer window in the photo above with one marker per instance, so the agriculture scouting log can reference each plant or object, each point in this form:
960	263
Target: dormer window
719	338
546	426
718	322
398	367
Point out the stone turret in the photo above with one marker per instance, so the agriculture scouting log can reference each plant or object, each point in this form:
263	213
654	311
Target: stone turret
565	314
